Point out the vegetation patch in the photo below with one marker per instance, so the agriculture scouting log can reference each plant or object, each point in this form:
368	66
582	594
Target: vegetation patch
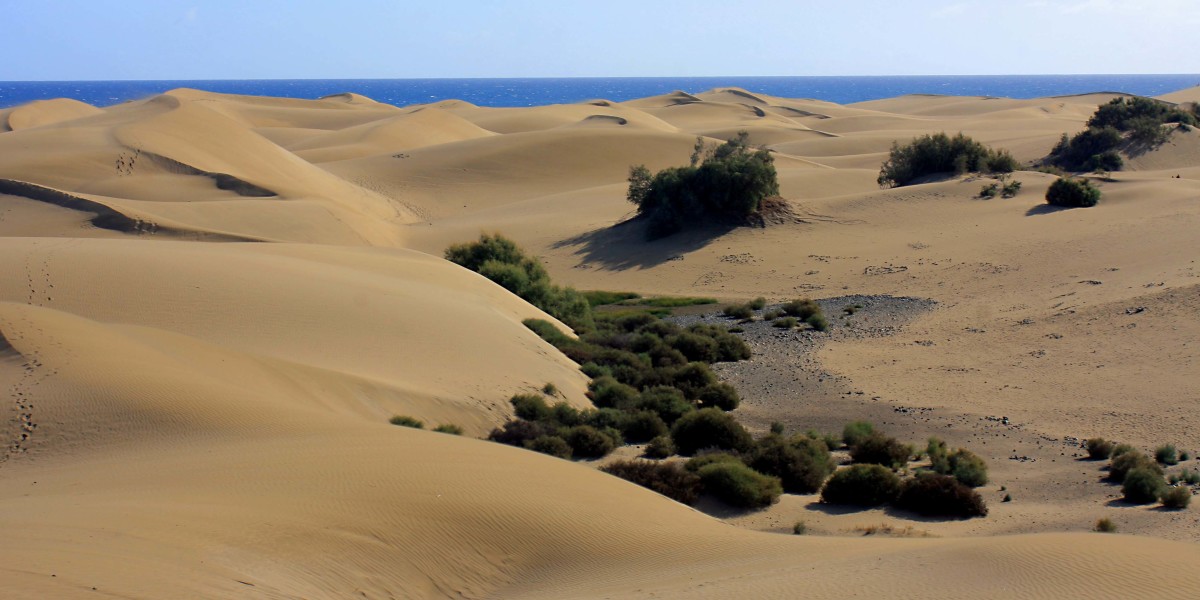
738	485
941	154
407	421
1072	193
936	495
862	485
1134	121
668	479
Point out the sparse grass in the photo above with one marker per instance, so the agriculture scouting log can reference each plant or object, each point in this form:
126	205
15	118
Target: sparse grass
786	323
799	528
758	303
550	389
449	428
908	531
600	297
1105	525
407	421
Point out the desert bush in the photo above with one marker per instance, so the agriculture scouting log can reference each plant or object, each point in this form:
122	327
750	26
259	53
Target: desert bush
772	315
817	322
940	153
861	485
856	431
550	389
738	485
1089	150
1142	485
607	392
665	401
709	428
703	459
407	421
719	395
990	190
660	447
801	308
967	467
799	528
693	346
552	445
758	303
739	311
1166	455
1185	456
517	432
566	415
668	479
879	449
1105	525
530	407
449	428
730	348
1125	462
690	378
1177	497
786	323
1099	448
642	426
939	455
1011	189
588	442
935	495
801	464
727	186
1120	449
1072	193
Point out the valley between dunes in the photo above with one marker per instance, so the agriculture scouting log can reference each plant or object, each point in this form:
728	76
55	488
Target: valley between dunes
210	305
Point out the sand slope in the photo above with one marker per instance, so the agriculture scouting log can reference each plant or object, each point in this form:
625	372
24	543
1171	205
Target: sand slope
210	305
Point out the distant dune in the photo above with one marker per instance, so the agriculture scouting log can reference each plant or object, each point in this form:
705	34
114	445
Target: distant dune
210	306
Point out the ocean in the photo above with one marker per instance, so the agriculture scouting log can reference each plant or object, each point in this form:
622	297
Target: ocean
531	92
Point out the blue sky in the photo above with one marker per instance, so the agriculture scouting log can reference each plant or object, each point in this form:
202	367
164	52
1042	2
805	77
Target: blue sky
269	39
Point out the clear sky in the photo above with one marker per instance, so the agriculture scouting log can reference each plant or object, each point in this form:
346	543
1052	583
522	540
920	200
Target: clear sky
276	39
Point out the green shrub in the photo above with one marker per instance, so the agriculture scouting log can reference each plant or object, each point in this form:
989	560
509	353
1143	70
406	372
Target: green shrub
939	153
968	468
1099	448
704	459
772	315
1072	193
1185	456
690	379
817	322
530	407
990	190
588	442
758	303
1120	449
709	428
730	348
1011	189
550	389
502	261
857	431
660	447
1176	498
449	428
861	485
777	428
802	308
786	323
601	298
665	401
739	311
801	464
518	432
1105	525
728	186
1089	150
719	395
693	346
738	485
642	426
799	528
1142	485
668	479
1125	462
939	455
566	415
552	445
1166	455
936	495
407	421
879	449
607	392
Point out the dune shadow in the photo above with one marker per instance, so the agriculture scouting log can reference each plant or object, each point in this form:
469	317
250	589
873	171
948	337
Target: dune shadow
624	245
1045	209
713	507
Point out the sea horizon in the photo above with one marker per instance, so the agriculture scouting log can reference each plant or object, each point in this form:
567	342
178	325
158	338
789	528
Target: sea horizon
532	91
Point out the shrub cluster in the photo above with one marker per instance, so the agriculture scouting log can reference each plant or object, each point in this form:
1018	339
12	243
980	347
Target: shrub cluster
1099	448
726	184
502	261
1095	148
940	153
862	485
668	479
738	485
563	431
962	464
1072	193
933	494
879	449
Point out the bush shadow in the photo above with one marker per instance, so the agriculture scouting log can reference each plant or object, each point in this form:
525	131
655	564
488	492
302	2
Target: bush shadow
624	245
1045	209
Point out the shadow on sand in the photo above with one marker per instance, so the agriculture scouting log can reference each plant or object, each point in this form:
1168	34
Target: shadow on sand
624	246
1045	209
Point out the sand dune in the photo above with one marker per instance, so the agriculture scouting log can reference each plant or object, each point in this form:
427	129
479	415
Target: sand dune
210	305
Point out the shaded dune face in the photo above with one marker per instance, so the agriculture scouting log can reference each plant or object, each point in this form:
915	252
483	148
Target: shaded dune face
210	306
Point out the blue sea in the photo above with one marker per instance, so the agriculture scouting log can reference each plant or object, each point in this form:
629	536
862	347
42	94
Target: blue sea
531	92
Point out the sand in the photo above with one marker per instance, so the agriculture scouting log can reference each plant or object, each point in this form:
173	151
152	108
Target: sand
210	305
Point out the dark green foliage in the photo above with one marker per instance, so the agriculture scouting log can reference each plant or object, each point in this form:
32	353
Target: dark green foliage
728	186
607	392
1185	455
801	464
940	153
1072	193
642	426
799	528
719	395
1120	449
801	308
530	407
738	485
1125	462
673	301
600	297
1166	455
660	447
550	389
1011	189
786	323
1142	485
939	455
668	479
739	311
861	485
449	428
1090	150
855	432
1177	497
588	442
694	347
709	428
1099	448
817	322
502	261
967	467
566	415
707	458
552	445
517	433
879	449
730	348
1125	113
665	401
407	421
990	190
1095	149
690	379
935	495
777	428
